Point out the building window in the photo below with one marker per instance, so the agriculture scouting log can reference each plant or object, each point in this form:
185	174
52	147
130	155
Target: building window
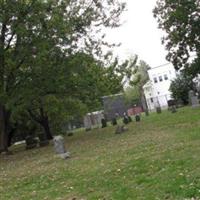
165	77
151	100
155	80
160	78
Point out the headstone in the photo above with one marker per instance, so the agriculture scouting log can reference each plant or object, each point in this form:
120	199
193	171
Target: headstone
43	140
190	95
137	118
31	142
193	99
70	134
125	119
120	129
59	146
103	123
195	102
87	123
173	109
158	110
114	121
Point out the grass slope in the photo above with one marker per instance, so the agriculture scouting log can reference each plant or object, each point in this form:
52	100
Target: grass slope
158	158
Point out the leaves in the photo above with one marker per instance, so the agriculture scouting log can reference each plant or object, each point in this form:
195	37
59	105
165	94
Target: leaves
180	20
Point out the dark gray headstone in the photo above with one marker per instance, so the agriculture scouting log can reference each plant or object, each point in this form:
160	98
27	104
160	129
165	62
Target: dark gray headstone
43	140
31	142
158	110
137	118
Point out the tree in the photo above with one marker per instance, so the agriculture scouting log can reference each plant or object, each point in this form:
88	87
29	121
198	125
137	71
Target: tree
132	95
181	22
93	80
139	77
180	87
35	34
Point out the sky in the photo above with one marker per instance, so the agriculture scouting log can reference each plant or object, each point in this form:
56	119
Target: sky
139	34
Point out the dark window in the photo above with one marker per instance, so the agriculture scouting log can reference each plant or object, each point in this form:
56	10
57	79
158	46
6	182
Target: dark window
160	78
165	77
151	100
155	80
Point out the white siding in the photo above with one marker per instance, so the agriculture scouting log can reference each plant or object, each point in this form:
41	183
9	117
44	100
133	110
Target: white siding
157	90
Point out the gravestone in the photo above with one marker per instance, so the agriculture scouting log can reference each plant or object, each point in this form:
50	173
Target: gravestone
103	123
125	119
120	129
193	99
137	118
87	123
158	109
31	142
70	134
195	102
59	146
173	109
190	95
43	140
114	121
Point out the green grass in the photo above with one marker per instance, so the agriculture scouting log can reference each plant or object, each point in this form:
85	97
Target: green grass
158	158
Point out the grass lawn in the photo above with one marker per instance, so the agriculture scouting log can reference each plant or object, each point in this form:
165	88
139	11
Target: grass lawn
158	158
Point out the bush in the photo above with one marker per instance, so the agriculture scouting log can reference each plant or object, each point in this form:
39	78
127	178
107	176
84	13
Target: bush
180	88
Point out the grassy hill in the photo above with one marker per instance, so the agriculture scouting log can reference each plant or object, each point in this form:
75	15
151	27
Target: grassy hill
158	158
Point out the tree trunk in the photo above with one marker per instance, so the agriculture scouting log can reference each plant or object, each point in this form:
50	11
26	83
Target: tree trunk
3	130
144	102
47	131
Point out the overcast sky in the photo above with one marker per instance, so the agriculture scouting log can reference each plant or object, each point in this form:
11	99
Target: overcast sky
139	34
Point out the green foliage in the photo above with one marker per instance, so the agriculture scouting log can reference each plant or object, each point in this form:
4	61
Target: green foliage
180	20
180	87
137	78
38	42
140	75
132	95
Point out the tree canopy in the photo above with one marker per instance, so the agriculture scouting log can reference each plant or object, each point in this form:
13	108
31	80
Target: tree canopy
38	41
181	22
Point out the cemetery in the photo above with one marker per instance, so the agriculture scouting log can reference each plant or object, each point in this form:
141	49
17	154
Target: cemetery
157	157
96	103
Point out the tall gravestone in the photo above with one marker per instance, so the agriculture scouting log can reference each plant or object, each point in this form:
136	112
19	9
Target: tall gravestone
59	146
193	99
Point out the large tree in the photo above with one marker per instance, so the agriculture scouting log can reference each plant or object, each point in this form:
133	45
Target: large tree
181	22
36	35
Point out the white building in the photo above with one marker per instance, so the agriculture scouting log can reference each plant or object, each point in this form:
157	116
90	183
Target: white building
156	90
